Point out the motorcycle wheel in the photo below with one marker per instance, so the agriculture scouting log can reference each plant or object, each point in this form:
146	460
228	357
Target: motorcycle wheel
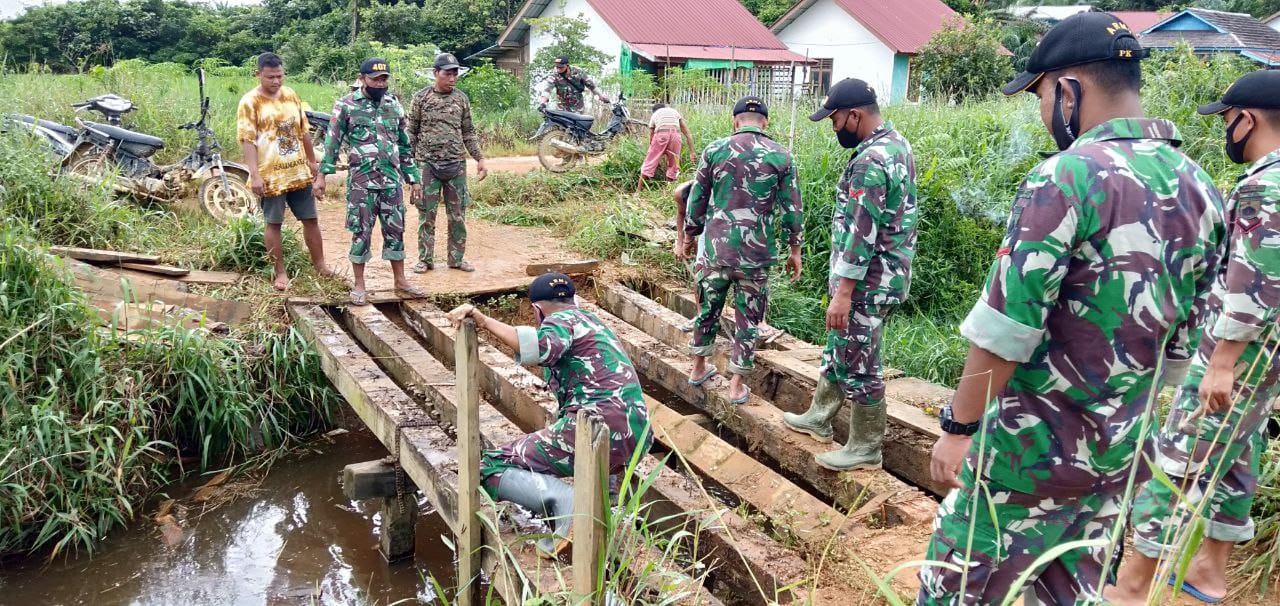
90	163
226	203
553	158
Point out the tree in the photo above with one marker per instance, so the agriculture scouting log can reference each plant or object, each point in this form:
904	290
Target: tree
963	61
568	35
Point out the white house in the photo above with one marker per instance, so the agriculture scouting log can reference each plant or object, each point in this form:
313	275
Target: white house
869	39
1273	21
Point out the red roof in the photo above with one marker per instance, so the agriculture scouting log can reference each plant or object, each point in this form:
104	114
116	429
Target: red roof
1139	21
681	22
657	52
904	25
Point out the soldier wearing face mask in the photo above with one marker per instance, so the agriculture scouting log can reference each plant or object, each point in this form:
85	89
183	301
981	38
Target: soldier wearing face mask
873	239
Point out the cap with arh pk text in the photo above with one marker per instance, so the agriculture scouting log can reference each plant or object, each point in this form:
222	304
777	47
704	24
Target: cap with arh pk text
551	286
375	66
1254	90
751	103
849	93
1077	40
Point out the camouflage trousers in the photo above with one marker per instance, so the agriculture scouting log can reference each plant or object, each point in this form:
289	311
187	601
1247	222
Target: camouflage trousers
456	200
1025	527
851	357
1200	455
364	206
550	450
751	299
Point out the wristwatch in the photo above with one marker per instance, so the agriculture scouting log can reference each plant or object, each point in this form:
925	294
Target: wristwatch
950	425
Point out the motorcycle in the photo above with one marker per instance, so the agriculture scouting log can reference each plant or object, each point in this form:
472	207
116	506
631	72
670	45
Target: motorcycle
565	138
104	149
57	139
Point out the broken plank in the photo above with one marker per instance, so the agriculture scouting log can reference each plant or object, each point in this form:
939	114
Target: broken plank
425	451
197	276
102	256
569	268
164	270
747	558
105	284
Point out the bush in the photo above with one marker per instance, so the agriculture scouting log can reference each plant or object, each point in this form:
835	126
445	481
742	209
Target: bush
963	61
494	90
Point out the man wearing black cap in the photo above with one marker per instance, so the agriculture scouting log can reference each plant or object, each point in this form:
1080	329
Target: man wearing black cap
1216	429
873	239
586	369
371	124
1103	273
745	184
569	83
442	134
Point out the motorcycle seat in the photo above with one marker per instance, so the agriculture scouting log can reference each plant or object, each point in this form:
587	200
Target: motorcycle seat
53	126
126	135
576	117
320	115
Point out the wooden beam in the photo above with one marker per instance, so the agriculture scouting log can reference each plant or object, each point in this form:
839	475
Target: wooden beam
106	284
789	383
468	412
369	480
426	452
164	270
747	558
590	489
570	268
102	256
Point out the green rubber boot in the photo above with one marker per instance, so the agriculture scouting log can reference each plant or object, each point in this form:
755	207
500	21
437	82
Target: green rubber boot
866	438
548	498
816	421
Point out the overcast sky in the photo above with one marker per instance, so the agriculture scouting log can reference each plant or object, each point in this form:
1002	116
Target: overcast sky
13	8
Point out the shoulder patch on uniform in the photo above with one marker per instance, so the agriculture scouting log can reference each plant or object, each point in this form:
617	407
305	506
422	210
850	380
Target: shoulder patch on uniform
1248	210
1020	203
858	173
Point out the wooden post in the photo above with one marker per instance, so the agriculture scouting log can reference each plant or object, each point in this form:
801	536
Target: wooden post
590	481
467	364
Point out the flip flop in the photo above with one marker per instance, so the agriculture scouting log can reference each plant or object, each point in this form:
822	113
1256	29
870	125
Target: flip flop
711	372
687	327
413	291
1191	590
423	267
358	297
741	400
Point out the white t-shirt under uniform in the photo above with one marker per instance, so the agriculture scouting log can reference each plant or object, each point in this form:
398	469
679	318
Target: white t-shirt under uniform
666	118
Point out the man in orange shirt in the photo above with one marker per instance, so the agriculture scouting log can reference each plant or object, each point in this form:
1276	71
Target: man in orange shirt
272	130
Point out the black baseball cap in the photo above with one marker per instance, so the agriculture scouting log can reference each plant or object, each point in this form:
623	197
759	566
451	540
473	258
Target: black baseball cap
1079	39
551	286
1260	90
375	66
446	61
751	103
562	60
846	94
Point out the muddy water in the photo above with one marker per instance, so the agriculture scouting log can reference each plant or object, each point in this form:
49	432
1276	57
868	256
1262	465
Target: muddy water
292	539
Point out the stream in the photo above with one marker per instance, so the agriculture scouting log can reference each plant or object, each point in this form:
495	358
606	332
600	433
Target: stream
294	539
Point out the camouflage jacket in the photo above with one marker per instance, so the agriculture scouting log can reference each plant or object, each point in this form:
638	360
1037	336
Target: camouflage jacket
585	362
571	87
873	227
745	183
440	127
1106	266
375	135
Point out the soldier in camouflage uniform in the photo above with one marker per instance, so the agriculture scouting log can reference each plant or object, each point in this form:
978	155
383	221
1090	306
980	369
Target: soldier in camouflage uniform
873	239
569	82
1212	441
371	124
442	134
1105	269
745	183
586	368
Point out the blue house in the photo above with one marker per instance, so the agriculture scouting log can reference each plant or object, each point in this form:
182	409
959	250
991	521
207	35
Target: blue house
1210	32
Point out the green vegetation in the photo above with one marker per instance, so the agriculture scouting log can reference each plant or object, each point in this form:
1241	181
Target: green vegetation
963	61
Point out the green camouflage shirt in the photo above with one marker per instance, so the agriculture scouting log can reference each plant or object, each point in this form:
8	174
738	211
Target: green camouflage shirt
745	183
569	88
873	227
375	135
1105	268
440	127
585	362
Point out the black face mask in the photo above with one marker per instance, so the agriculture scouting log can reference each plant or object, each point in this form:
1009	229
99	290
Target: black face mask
1235	149
848	139
375	94
1064	132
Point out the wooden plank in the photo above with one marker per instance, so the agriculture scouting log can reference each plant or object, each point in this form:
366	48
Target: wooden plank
104	284
102	256
570	268
426	452
789	383
197	276
468	463
164	270
750	563
590	487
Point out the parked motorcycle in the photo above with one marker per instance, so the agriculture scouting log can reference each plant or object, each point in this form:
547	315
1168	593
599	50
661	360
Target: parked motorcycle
104	149
565	138
58	139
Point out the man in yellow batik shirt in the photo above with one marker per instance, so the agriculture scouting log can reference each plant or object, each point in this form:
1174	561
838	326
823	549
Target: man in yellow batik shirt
272	130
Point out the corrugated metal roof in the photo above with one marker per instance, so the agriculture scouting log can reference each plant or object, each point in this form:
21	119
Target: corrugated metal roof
701	23
658	52
1140	20
1236	31
904	25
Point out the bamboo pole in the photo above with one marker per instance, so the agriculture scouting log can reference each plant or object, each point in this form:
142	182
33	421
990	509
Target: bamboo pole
466	353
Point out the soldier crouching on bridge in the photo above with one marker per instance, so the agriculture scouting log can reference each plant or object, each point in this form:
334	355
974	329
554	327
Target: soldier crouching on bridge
586	368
